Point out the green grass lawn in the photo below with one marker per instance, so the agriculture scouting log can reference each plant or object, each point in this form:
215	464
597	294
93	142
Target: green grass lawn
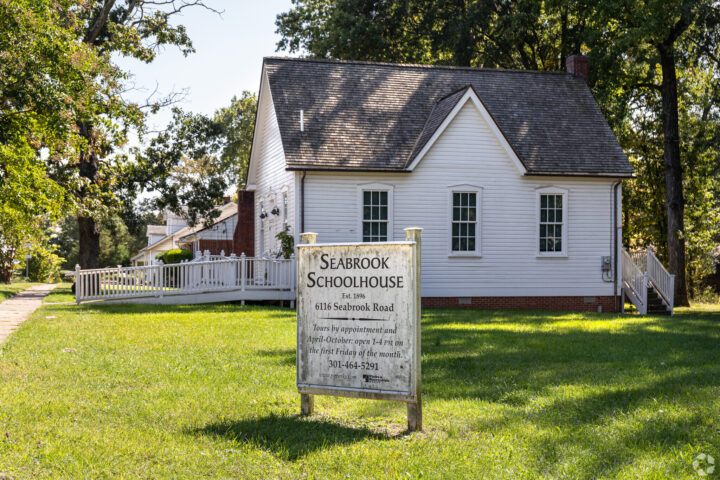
61	293
7	290
208	391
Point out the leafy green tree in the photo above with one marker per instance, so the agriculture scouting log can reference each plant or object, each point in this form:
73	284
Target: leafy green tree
196	159
44	264
237	123
46	78
134	28
488	33
652	44
118	242
63	116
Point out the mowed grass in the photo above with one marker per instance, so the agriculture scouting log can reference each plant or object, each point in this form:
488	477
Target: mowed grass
62	293
7	290
209	391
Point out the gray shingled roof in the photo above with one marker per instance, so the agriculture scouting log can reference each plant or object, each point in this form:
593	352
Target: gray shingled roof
375	116
438	114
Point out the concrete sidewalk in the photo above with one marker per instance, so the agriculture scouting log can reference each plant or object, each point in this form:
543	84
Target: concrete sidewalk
18	308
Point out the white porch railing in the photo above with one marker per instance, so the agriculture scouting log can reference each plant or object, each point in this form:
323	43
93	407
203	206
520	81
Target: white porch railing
641	270
216	275
634	282
661	279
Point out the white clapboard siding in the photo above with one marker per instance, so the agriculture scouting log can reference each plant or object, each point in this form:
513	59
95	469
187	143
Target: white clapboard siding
469	153
222	230
270	177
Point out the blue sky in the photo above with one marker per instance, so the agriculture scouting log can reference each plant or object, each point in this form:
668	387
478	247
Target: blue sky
229	52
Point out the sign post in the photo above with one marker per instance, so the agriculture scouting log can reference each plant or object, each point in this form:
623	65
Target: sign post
358	322
27	266
414	409
307	400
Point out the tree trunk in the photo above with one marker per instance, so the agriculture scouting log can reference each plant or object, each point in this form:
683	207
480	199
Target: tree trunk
89	236
465	47
674	201
6	271
89	253
563	39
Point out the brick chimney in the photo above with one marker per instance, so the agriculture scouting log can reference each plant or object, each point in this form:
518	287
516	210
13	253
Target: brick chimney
578	66
244	237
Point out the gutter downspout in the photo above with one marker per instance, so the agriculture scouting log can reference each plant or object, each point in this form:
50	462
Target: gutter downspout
302	202
615	241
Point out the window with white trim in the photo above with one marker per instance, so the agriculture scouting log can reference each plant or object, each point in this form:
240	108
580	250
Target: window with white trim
464	235
375	215
552	222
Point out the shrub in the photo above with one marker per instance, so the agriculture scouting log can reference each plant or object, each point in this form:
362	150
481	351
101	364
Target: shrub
287	242
176	255
44	265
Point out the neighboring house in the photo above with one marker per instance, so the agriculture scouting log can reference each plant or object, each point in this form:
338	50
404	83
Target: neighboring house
156	233
215	239
178	234
514	176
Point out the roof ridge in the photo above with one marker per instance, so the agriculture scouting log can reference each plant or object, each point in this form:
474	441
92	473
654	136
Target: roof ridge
413	153
462	89
415	65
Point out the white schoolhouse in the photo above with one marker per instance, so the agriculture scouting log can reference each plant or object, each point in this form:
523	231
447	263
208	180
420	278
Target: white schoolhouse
515	176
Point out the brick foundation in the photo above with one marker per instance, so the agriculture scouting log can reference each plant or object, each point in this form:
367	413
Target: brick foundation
571	304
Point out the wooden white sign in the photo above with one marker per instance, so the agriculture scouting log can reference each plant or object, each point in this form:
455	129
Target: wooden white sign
358	329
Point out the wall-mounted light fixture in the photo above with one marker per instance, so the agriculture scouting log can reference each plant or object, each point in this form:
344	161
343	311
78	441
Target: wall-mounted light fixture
275	211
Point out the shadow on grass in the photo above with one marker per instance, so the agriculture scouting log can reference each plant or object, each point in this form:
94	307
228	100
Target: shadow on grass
288	437
578	379
495	364
219	308
284	356
609	372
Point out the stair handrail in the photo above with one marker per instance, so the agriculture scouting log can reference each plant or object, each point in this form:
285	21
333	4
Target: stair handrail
639	258
661	279
636	282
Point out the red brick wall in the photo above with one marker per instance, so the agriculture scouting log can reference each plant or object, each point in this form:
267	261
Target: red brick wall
244	236
216	246
572	304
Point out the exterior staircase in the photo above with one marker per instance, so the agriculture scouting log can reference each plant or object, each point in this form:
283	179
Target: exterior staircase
655	303
646	283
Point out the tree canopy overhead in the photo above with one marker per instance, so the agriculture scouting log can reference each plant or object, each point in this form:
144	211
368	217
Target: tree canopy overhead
47	79
64	116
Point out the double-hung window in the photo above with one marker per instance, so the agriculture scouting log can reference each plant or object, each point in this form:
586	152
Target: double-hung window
375	215
465	217
552	222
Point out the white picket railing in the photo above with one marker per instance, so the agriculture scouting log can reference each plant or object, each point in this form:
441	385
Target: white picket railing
634	282
663	281
639	258
213	275
641	270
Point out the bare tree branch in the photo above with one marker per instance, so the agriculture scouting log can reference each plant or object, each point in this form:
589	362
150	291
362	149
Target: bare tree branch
99	23
170	99
177	6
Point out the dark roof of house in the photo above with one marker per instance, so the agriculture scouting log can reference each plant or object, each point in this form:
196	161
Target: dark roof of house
441	109
378	116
